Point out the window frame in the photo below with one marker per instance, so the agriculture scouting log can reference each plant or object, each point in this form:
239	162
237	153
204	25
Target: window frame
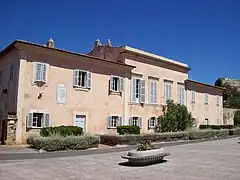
44	121
138	121
154	120
120	84
140	85
87	78
167	87
118	121
193	99
42	72
181	94
206	98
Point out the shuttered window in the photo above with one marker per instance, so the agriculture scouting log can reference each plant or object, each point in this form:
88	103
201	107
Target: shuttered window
181	94
138	90
38	120
153	92
40	70
116	83
167	91
82	79
61	94
135	121
114	121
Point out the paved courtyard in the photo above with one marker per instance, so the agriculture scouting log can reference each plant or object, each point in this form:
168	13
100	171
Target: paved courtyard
213	160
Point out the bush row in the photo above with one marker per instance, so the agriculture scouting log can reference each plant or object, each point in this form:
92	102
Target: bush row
128	130
230	126
170	136
61	130
59	143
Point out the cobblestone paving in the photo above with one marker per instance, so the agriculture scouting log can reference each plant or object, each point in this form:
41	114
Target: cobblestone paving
214	160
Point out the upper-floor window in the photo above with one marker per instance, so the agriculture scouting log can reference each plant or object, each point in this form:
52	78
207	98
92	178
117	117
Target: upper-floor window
116	84
218	100
114	121
193	96
153	92
135	121
1	77
38	120
181	94
61	94
82	79
167	91
138	90
11	72
40	72
206	99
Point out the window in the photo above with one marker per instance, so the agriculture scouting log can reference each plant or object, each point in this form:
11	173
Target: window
193	96
61	94
168	91
153	92
116	84
114	121
135	121
82	79
152	122
138	90
41	72
38	120
181	92
206	121
1	77
206	99
12	72
218	100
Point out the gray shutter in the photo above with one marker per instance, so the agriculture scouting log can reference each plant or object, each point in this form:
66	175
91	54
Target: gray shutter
61	94
109	121
170	91
30	120
121	84
130	121
155	92
142	91
75	77
46	120
89	79
133	90
140	121
111	83
119	121
44	72
38	71
149	122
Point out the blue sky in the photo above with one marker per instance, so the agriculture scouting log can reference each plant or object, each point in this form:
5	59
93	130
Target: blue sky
204	34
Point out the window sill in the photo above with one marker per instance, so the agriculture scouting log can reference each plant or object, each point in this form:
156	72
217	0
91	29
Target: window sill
154	104
81	89
111	127
115	93
34	128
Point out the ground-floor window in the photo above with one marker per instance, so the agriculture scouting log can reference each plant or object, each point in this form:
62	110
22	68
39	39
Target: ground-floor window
38	120
206	122
135	121
114	121
152	122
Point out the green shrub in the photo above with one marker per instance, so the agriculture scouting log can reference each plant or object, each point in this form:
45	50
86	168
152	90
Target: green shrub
228	126
62	130
58	143
235	131
236	118
128	130
217	127
201	134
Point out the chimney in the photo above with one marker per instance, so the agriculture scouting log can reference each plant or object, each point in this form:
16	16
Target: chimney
109	44
97	43
50	43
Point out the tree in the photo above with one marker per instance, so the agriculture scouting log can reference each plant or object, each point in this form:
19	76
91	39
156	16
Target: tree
236	118
176	118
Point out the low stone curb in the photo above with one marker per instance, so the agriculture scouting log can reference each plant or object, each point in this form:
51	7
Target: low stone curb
59	154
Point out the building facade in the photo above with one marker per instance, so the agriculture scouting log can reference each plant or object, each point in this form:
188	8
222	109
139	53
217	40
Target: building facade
111	86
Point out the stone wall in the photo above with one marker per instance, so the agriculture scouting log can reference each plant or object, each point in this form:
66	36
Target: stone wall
11	130
228	115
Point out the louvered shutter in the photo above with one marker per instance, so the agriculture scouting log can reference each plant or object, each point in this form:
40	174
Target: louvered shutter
121	84
111	83
89	79
142	91
133	90
30	120
109	121
130	121
119	121
140	121
75	77
46	120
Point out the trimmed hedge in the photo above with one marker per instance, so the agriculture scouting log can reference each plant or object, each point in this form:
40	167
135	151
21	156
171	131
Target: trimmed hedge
61	130
128	130
217	127
235	131
60	143
160	137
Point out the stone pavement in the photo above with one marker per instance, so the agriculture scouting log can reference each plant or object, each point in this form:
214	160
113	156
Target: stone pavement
212	160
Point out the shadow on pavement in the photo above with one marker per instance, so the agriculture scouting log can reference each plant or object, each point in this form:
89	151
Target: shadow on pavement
140	165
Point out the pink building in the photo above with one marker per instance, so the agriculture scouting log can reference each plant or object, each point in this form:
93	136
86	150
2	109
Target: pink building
45	86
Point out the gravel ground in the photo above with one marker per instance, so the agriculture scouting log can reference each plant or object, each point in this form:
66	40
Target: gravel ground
213	160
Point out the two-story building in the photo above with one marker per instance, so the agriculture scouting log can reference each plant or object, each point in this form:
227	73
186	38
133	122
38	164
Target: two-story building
111	86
